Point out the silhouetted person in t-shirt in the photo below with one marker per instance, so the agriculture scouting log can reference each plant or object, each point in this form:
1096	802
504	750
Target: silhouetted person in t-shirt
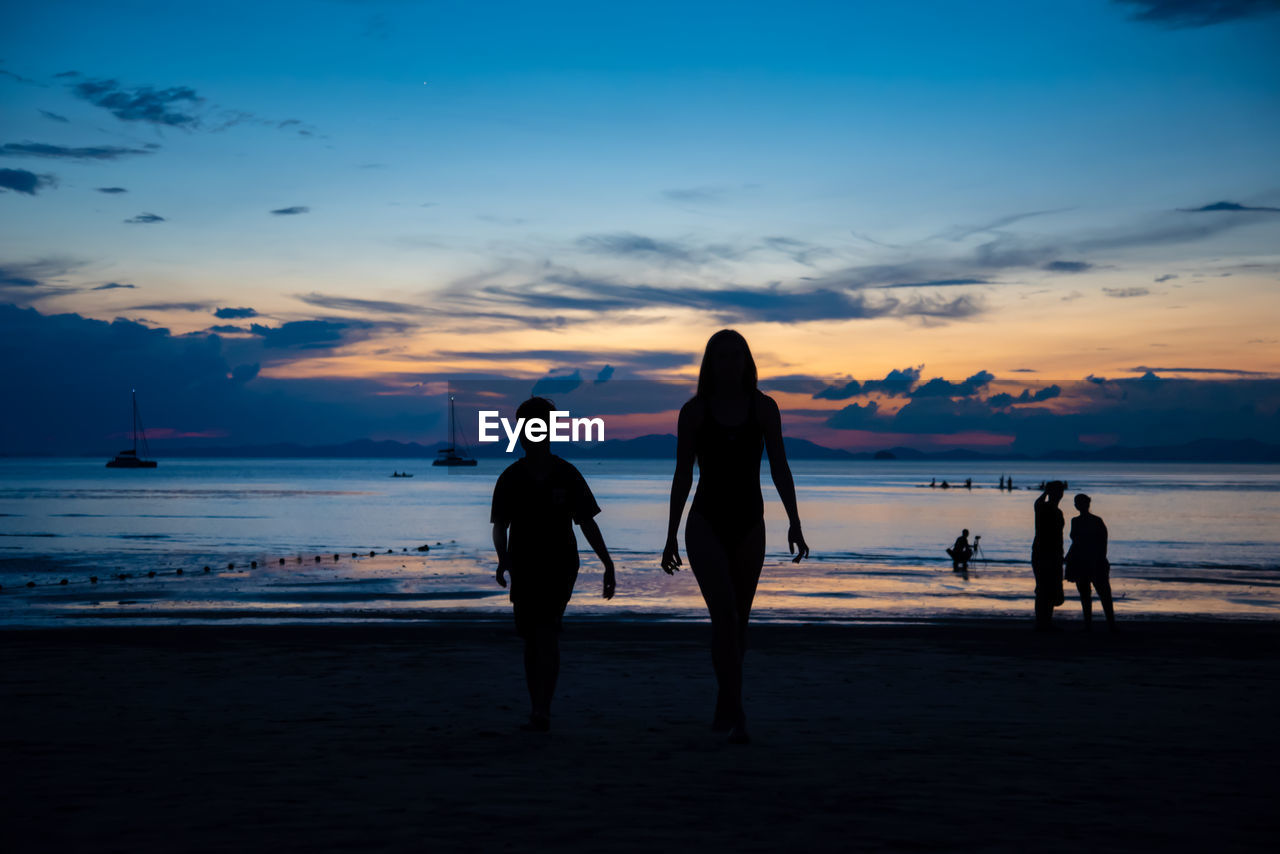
1087	562
1046	554
724	428
538	498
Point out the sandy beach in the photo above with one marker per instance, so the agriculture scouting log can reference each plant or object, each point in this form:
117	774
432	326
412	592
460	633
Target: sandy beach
943	736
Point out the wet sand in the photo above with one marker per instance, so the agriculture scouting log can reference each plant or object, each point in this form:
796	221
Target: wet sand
968	735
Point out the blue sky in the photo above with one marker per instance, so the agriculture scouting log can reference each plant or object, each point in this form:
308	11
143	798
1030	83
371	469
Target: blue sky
859	187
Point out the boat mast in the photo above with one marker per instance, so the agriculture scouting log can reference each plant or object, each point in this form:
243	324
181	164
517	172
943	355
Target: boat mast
453	428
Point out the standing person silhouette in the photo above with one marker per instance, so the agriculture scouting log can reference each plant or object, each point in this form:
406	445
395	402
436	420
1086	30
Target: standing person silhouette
1087	562
536	500
724	427
1046	554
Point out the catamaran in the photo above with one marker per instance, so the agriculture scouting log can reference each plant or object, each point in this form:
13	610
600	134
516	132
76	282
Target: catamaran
449	456
128	458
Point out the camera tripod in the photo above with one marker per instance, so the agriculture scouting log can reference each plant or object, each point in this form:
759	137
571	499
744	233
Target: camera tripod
978	553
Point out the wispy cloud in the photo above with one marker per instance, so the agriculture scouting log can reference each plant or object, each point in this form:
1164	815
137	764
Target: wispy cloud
88	152
1236	372
1180	14
628	245
569	291
800	251
291	211
54	117
18	78
1124	293
322	333
111	286
962	232
341	303
1068	266
939	283
27	183
234	313
170	106
642	359
111	190
28	276
202	305
1217	207
704	194
144	218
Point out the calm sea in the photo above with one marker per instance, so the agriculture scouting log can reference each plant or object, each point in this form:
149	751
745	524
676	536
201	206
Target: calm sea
1186	540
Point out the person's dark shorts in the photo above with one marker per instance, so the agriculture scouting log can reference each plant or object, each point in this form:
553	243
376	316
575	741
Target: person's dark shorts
535	616
539	598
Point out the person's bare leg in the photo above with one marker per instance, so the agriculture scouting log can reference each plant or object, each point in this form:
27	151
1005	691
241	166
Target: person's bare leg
1044	601
744	569
541	669
710	565
1086	602
745	566
1104	596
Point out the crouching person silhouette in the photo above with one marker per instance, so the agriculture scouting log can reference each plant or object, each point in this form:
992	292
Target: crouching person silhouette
535	503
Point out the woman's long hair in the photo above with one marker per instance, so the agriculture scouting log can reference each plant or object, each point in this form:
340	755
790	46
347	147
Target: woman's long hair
726	338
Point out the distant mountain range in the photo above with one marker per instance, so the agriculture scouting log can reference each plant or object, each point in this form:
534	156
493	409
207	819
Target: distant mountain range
663	446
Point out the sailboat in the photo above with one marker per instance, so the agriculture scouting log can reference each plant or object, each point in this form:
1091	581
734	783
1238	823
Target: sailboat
128	458
449	456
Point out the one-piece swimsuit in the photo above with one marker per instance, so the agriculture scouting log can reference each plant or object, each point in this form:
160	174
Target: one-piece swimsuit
728	494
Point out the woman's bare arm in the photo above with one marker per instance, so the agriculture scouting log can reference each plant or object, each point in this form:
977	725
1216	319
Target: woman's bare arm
780	470
681	482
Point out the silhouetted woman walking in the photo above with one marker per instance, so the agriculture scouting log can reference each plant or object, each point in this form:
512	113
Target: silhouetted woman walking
724	427
1087	562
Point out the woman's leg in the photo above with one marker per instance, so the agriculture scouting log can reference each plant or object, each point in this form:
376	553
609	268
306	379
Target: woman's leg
745	565
1086	601
1104	596
711	567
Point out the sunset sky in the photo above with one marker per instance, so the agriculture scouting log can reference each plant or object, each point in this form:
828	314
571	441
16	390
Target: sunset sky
332	208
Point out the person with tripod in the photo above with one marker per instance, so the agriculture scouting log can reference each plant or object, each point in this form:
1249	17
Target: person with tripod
960	552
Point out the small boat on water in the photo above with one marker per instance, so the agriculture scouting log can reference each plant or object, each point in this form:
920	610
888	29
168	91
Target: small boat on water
401	474
128	458
449	456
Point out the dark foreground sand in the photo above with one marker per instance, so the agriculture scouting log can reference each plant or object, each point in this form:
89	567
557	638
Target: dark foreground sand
977	736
